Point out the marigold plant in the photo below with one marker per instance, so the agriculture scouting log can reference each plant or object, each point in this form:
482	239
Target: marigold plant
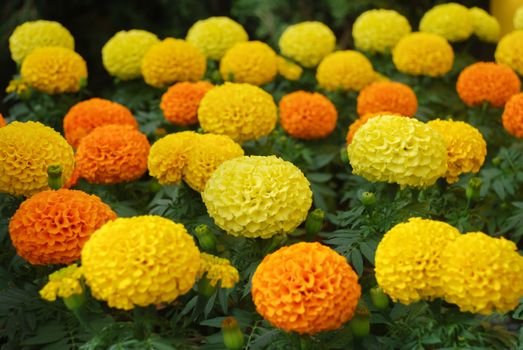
452	21
513	115
387	96
510	51
181	101
345	70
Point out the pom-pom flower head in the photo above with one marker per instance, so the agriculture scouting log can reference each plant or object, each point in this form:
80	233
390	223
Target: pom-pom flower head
54	70
452	21
51	227
513	115
307	43
112	154
241	111
63	283
218	269
387	96
257	196
486	27
398	150
251	62
181	101
140	261
26	150
289	70
30	35
487	82
122	55
215	35
408	261
482	274
379	30
423	54
305	288
87	115
510	51
172	60
357	124
345	70
307	115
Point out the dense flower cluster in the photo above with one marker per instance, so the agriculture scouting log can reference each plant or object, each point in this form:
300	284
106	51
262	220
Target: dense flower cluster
452	21
288	70
26	150
181	101
217	270
305	288
356	125
345	70
307	43
140	261
510	51
257	196
387	97
379	30
172	60
252	62
307	115
215	35
87	115
486	27
241	111
112	154
122	55
63	283
513	115
487	82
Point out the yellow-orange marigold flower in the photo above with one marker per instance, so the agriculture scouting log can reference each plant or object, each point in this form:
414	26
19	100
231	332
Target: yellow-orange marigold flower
510	51
513	115
452	21
307	115
218	269
389	96
63	283
345	70
51	227
181	101
486	27
2	121
362	120
289	70
305	288
87	115
112	154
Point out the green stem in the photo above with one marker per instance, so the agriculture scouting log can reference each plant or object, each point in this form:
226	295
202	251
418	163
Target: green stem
81	316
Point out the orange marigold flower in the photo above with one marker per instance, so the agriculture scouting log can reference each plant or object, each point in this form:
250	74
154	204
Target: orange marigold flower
112	154
487	82
387	96
181	101
513	115
87	115
305	288
307	115
358	123
2	121
51	227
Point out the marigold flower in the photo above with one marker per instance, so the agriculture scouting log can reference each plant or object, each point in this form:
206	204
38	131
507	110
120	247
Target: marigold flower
482	274
513	115
122	54
466	148
51	227
2	121
345	70
307	115
172	60
379	30
356	125
307	42
510	51
19	87
289	70
486	27
408	259
181	101
26	150
63	283
452	21
252	62
112	154
487	82
140	261
87	115
30	35
305	288
518	19
215	35
398	150
218	270
54	70
387	96
241	111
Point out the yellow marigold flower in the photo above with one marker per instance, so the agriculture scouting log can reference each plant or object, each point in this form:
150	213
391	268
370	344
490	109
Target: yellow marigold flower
289	70
26	150
140	261
241	111
486	27
63	283
215	35
122	55
345	70
510	51
482	274
307	43
518	19
54	70
251	62
423	54
398	150
218	269
30	35
257	196
305	288
379	30
466	147
172	60
17	86
408	259
452	21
